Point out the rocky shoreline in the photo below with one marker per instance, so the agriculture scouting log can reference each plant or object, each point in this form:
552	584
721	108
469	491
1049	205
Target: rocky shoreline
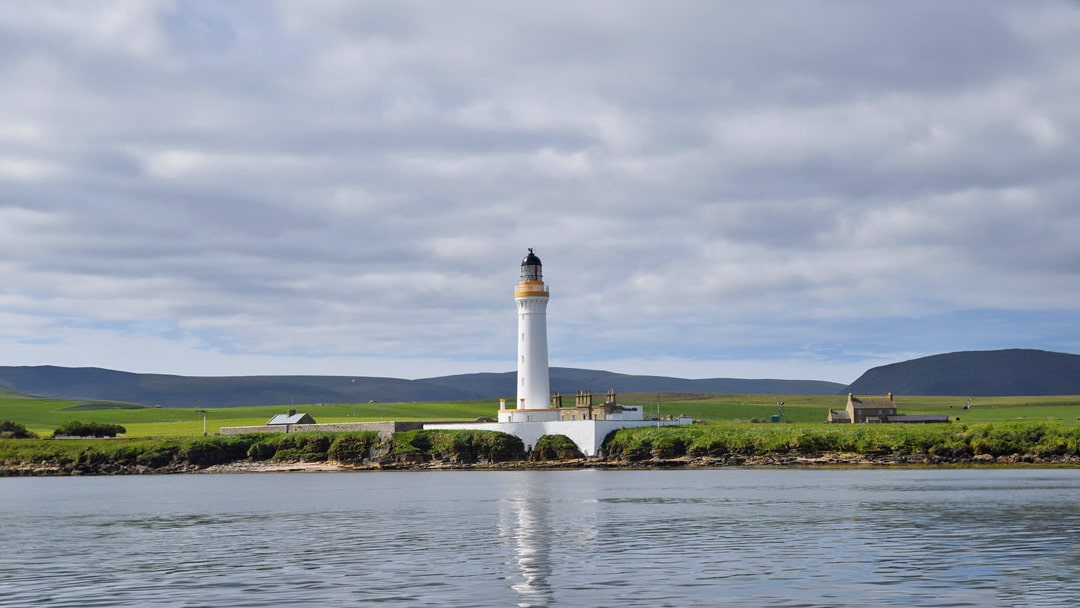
45	469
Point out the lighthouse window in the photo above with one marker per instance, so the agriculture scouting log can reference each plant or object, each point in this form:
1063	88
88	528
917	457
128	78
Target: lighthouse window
522	336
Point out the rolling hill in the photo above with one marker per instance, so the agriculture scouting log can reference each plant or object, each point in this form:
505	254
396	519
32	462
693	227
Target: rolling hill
87	383
569	381
976	373
970	373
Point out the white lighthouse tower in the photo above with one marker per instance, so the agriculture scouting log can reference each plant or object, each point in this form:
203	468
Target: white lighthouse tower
533	387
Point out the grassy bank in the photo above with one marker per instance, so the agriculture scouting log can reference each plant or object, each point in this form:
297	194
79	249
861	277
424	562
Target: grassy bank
171	439
176	454
953	441
1027	441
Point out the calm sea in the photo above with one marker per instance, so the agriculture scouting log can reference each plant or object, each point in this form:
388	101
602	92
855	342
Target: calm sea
729	537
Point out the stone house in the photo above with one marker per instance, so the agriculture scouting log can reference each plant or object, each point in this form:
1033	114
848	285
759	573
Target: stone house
864	410
585	409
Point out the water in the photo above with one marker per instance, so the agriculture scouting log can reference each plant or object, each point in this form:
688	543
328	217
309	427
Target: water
730	537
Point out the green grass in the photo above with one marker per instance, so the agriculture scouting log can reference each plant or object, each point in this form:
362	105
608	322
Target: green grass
104	456
814	408
994	426
956	442
42	416
959	440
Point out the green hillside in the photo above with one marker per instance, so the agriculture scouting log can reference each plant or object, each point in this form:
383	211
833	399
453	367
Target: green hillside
42	416
1013	371
814	408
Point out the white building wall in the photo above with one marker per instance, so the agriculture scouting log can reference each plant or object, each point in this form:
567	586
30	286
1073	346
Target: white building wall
533	385
548	415
588	435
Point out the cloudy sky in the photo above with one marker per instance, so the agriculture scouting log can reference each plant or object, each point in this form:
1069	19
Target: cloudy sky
716	189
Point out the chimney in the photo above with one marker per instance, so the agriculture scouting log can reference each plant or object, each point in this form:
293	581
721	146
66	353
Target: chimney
292	412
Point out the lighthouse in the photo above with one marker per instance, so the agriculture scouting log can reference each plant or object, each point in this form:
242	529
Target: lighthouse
531	296
533	416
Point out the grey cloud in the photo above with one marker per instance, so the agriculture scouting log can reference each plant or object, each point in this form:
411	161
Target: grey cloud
701	179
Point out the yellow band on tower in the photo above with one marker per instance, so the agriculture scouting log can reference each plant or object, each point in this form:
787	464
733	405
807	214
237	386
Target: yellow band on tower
531	290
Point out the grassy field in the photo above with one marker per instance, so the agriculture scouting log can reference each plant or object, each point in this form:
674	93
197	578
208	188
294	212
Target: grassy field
42	416
814	408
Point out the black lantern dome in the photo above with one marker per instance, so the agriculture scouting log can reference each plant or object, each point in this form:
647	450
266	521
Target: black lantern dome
530	268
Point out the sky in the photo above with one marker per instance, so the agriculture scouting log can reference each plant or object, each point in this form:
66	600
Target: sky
801	189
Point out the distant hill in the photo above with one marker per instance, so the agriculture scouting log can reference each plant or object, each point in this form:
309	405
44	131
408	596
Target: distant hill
569	381
976	373
90	383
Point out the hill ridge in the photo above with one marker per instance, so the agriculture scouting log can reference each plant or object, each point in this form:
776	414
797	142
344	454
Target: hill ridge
95	383
1005	372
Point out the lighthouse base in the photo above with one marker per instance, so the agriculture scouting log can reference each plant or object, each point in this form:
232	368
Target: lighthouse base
588	435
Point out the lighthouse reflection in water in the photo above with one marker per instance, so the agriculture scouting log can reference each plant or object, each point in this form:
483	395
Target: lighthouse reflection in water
524	529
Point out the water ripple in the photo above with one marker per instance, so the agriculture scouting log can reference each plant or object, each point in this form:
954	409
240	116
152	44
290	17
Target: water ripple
531	538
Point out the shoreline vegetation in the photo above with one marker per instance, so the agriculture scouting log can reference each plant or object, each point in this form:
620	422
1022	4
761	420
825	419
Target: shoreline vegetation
711	445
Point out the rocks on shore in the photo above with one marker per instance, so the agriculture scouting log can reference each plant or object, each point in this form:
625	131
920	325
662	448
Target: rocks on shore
729	460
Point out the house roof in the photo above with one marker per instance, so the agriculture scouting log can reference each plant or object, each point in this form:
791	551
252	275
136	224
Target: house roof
287	419
862	404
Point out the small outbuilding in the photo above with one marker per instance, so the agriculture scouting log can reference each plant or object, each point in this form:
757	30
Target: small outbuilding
919	418
291	418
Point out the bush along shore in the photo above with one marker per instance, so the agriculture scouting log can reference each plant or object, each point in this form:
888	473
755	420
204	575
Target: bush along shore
712	445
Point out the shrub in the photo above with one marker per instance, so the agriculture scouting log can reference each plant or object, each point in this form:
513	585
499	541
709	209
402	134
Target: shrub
353	447
74	428
628	444
303	446
945	441
411	443
203	453
157	456
555	447
501	447
235	446
261	450
14	430
460	446
288	446
208	451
